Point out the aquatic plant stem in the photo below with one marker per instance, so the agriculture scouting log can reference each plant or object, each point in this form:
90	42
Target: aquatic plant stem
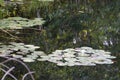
9	74
14	59
5	31
3	78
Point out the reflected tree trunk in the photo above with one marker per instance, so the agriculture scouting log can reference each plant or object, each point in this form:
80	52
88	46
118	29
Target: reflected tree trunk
38	16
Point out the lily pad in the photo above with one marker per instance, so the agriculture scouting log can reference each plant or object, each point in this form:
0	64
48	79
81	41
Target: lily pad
28	59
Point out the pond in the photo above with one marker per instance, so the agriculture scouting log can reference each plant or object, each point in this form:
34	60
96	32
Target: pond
59	40
64	64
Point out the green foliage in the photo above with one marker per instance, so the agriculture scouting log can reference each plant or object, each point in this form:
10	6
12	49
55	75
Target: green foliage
1	2
24	8
99	20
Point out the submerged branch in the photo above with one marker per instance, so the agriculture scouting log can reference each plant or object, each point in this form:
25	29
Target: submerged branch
8	72
14	37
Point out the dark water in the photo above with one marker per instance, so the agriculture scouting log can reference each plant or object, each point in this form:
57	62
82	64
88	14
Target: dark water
50	71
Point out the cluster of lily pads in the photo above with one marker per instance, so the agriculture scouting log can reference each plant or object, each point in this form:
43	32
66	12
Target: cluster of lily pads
27	53
19	23
84	56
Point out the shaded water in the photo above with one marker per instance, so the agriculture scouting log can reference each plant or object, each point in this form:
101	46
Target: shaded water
50	71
